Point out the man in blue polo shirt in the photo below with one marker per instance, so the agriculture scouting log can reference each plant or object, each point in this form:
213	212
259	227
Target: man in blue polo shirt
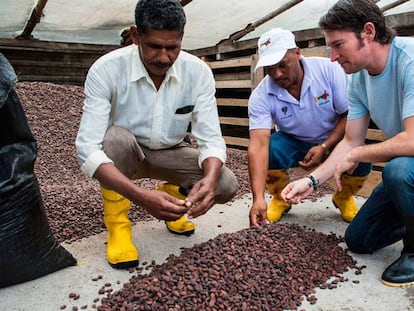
305	100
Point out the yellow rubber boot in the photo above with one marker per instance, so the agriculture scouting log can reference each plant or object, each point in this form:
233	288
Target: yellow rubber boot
344	199
276	180
121	252
181	226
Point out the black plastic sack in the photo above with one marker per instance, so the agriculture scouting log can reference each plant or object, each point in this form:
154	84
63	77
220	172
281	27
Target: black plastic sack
28	249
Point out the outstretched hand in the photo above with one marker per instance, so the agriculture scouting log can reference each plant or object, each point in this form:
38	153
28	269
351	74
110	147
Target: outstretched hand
297	190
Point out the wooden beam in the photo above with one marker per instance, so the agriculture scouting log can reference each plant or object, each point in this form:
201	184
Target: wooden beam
401	21
250	27
52	64
374	134
251	44
234	84
234	121
393	5
398	21
34	19
231	63
236	141
53	46
232	102
185	2
256	75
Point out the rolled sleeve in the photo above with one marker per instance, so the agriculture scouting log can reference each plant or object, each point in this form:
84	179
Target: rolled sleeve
212	152
93	161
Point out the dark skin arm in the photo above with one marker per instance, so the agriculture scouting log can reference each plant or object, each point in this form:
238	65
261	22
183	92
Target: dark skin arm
202	195
258	159
315	155
159	204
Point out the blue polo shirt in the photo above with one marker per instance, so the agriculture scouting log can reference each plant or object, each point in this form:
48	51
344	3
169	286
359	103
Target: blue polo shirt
389	96
311	119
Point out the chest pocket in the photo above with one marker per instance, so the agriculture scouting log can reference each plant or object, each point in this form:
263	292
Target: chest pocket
180	122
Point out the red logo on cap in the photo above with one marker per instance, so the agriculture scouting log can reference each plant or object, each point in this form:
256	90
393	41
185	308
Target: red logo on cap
266	43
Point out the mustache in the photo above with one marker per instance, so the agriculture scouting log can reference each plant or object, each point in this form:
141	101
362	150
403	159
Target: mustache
160	65
281	79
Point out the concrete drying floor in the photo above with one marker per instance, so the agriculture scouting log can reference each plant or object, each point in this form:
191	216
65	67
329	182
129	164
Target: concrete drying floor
154	242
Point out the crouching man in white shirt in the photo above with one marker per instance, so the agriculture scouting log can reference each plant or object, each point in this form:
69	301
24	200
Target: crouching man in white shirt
140	101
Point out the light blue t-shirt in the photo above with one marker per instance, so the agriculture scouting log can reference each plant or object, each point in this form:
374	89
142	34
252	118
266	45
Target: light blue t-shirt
388	97
312	118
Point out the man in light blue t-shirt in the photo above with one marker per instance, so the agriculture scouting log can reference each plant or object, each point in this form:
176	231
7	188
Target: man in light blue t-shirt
381	88
305	99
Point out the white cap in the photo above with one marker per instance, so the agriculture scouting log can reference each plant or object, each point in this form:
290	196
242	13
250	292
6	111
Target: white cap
273	45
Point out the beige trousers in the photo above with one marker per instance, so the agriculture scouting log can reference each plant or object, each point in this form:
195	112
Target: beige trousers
177	165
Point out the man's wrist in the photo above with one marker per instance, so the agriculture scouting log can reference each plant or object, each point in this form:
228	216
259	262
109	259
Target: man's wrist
258	195
325	148
313	182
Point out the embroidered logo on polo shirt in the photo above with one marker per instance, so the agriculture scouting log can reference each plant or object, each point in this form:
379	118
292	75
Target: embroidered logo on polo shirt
285	115
322	99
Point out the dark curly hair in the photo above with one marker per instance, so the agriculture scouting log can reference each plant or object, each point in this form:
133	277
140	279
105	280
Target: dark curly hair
160	15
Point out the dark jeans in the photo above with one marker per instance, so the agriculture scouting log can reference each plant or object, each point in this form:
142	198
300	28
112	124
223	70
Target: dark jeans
379	222
285	151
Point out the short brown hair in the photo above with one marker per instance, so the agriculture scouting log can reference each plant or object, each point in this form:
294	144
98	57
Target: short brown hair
352	15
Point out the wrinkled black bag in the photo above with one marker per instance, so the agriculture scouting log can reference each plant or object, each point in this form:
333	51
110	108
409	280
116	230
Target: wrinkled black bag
28	249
